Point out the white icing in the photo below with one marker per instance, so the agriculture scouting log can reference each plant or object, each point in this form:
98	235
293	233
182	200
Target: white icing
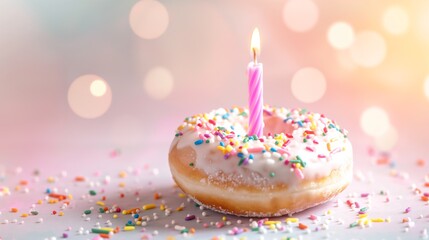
259	170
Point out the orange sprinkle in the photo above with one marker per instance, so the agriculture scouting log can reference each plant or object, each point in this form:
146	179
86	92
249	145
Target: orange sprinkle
156	196
23	182
24	215
302	226
426	184
383	160
404	220
104	235
420	162
79	179
58	196
14	210
424	198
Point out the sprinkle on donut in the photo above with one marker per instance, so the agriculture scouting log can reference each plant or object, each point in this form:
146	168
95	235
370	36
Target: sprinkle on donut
227	128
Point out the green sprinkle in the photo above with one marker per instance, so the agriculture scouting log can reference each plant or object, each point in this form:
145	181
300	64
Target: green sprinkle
184	231
92	193
364	209
97	230
177	135
34	213
305	140
101	210
207	141
295	161
272	174
241	162
87	212
353	224
191	164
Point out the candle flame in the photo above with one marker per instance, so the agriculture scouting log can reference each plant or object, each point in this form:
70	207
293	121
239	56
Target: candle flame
255	46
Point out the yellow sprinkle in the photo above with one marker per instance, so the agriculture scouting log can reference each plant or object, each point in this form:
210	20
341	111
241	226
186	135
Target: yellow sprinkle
162	207
39	201
181	127
223	218
388	220
107	229
52	201
149	206
24	215
182	195
115	216
121	184
100	203
292	220
272	226
129	228
377	219
222	149
170	238
229	148
61	214
70	197
180	208
271	222
329	212
138	223
363	215
122	174
125	212
51	179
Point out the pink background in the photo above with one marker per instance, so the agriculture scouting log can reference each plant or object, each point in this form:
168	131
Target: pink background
46	45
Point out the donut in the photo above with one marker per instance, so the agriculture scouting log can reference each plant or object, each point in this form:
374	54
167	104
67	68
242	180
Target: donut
302	160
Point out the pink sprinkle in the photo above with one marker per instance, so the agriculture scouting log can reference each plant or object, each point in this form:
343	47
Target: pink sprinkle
364	195
281	151
255	149
357	205
315	142
312	217
407	210
219	224
321	156
309	149
426	194
299	173
336	150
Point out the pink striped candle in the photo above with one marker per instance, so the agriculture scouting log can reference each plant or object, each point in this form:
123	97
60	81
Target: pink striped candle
255	71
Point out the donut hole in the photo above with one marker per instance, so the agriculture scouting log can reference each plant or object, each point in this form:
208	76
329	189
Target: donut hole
276	125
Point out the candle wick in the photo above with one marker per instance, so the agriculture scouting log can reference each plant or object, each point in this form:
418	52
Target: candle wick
255	60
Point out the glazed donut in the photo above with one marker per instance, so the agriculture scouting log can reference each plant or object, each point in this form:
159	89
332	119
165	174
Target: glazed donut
303	159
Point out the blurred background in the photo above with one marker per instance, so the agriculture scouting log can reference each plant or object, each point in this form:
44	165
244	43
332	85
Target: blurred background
84	78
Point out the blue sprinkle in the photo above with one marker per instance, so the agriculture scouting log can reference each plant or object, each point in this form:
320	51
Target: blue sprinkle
287	119
263	150
136	215
222	144
198	142
300	123
48	190
225	116
273	149
232	127
250	156
240	155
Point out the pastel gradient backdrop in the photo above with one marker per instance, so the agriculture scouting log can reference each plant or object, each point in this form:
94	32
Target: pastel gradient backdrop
159	62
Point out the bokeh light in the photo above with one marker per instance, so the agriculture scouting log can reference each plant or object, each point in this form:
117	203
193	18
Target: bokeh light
149	19
369	49
308	85
341	35
395	20
300	15
84	102
98	88
158	83
375	121
426	87
387	141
